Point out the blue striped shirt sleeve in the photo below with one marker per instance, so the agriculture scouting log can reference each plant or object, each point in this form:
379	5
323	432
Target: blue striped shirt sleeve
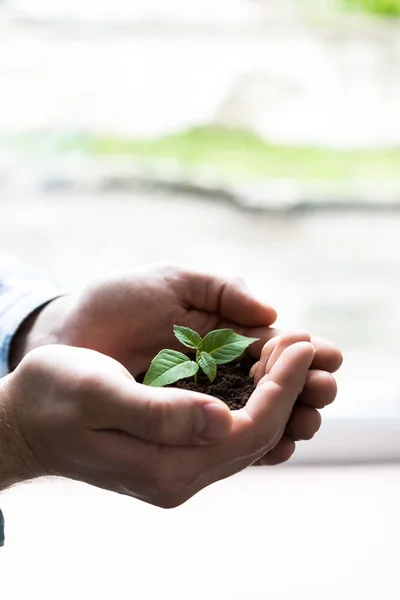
22	291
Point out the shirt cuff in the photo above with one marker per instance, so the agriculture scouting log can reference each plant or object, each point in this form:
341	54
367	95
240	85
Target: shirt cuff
20	305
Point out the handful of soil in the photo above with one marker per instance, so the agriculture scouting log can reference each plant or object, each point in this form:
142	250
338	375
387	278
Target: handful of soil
233	384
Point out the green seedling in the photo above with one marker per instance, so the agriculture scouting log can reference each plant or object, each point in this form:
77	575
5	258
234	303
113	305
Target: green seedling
218	347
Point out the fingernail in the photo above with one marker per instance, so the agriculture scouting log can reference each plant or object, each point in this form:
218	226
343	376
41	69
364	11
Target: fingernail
313	355
211	422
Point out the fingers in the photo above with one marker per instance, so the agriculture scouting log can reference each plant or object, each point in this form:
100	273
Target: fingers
272	351
166	415
304	423
229	299
278	390
282	452
328	357
268	410
259	368
258	427
320	389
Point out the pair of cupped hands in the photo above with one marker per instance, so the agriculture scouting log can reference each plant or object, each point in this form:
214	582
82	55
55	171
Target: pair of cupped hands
72	407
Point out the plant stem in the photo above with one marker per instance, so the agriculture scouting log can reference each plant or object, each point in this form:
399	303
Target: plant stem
196	374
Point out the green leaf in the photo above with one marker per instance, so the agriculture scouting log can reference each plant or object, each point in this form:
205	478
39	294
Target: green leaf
208	365
225	345
188	337
168	367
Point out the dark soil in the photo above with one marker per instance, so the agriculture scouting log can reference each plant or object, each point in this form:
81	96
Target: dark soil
233	384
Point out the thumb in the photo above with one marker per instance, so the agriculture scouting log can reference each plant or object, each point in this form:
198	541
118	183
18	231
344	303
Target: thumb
239	306
230	299
272	402
170	416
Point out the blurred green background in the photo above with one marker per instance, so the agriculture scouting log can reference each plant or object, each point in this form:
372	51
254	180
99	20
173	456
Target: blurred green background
386	8
299	92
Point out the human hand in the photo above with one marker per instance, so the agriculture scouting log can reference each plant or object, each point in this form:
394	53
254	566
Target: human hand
131	317
78	414
319	391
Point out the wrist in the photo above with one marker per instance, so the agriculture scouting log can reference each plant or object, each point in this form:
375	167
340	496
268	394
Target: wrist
42	327
16	464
